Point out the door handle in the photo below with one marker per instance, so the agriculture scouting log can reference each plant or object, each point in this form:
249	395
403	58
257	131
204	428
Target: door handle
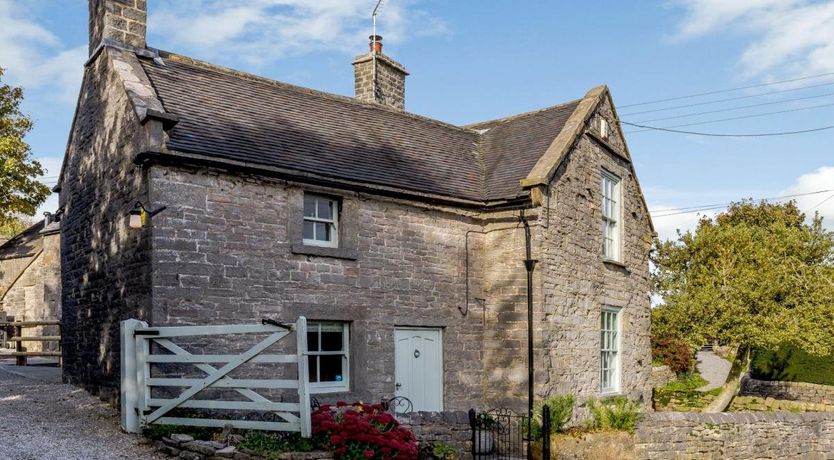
398	385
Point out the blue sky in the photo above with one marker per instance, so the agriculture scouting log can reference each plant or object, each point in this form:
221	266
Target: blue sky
477	60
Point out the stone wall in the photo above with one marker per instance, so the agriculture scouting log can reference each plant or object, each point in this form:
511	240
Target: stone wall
223	253
451	428
738	435
575	280
105	265
794	391
34	289
661	376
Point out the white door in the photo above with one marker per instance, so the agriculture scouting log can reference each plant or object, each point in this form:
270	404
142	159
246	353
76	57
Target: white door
418	367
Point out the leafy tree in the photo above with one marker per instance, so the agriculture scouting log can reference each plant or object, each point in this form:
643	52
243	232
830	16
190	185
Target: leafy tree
756	276
14	225
20	193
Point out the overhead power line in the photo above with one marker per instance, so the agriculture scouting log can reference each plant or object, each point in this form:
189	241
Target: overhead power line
818	204
696	133
728	90
708	207
744	117
732	109
728	99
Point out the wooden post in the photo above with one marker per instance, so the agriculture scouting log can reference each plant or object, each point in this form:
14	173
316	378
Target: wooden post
303	377
130	390
18	332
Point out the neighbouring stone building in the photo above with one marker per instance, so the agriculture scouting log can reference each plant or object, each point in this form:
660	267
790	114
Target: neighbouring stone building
30	279
399	237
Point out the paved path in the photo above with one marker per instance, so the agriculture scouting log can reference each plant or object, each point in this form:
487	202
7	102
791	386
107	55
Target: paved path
713	368
42	419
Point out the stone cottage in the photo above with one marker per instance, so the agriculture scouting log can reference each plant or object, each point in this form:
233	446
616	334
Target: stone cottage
30	280
398	236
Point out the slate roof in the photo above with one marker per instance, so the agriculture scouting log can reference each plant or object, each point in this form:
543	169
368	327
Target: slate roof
231	115
25	244
512	146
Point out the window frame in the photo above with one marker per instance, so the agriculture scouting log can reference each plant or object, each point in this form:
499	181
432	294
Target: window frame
335	204
330	387
613	220
615	376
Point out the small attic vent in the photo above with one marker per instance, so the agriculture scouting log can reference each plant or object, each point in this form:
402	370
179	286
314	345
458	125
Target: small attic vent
603	128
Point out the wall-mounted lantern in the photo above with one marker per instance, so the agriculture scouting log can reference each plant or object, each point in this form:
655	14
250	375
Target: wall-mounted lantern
139	215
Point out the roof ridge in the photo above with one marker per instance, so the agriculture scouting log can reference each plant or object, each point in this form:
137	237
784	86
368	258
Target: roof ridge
485	124
302	89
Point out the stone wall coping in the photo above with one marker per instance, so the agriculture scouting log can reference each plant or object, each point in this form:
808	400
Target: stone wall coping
738	417
420	417
785	383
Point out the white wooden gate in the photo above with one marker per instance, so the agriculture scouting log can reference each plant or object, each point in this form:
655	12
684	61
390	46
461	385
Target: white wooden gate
139	408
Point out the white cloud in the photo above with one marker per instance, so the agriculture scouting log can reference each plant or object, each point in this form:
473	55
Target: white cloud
261	31
34	57
667	221
789	37
821	179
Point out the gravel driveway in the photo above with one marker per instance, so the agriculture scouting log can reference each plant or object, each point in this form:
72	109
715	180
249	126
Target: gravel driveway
714	369
43	420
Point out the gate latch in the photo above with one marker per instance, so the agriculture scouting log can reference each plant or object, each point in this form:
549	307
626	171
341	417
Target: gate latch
272	322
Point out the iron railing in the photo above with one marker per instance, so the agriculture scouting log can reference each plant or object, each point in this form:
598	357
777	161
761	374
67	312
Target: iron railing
503	434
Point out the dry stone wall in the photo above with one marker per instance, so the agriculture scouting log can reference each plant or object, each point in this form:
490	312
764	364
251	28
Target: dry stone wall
794	391
451	428
737	435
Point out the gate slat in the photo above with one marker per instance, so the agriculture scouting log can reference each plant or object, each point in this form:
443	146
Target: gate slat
241	424
193	359
232	405
188	331
222	383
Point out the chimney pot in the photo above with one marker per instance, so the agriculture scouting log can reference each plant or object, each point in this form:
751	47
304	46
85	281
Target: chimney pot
376	44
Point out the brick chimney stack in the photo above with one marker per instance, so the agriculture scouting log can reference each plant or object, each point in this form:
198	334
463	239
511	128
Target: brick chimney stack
122	21
378	78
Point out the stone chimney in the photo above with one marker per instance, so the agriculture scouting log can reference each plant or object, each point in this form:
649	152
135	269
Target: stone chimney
378	78
122	21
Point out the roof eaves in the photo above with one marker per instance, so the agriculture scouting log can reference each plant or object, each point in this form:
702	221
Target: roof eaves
180	158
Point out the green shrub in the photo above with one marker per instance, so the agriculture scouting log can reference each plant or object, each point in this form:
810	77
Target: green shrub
271	443
688	382
618	413
673	352
561	411
792	365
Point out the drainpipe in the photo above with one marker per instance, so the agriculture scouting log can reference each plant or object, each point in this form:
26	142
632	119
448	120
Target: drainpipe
529	264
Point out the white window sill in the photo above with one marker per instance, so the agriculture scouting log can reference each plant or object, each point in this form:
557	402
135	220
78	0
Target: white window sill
609	393
320	244
327	389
